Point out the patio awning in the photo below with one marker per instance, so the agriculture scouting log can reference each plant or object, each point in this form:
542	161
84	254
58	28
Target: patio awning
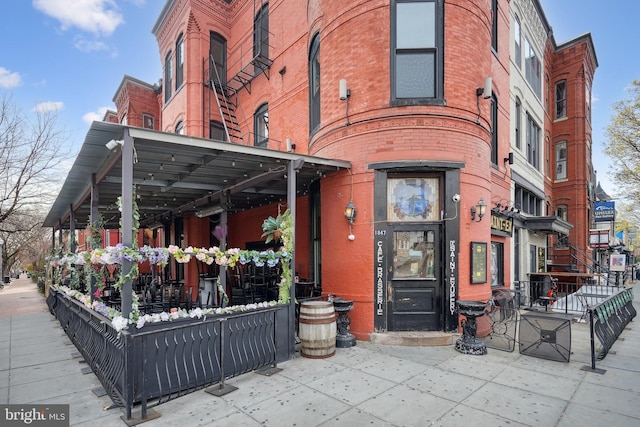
177	174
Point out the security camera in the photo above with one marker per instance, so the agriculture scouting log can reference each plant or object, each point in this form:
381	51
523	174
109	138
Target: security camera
456	198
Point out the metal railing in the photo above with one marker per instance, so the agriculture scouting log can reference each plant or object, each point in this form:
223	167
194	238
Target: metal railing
166	360
568	298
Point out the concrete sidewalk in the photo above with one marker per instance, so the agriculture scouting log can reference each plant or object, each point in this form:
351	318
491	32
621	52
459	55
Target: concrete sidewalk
369	384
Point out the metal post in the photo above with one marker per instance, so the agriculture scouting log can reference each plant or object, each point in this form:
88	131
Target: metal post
127	218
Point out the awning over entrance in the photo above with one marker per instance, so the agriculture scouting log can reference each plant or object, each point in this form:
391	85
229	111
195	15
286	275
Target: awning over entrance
548	224
176	175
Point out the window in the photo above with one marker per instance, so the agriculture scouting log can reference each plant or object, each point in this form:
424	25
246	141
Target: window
167	77
314	84
561	99
216	131
562	211
218	58
533	143
180	128
417	50
497	264
561	160
532	68
587	96
261	37
547	157
494	129
148	121
179	61
517	36
527	201
494	25
124	120
518	123
261	126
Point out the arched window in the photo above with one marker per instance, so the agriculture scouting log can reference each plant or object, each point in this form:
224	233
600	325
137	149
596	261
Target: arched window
314	84
180	128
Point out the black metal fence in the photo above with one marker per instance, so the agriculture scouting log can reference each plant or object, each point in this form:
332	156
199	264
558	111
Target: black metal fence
608	319
566	297
166	360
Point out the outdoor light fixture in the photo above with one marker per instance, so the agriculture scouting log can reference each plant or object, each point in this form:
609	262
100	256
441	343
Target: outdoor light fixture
209	211
509	158
350	212
113	144
486	90
478	210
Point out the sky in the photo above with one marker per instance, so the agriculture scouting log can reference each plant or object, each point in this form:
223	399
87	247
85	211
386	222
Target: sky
71	55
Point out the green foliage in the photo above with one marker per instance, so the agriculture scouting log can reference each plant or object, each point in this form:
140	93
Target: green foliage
623	144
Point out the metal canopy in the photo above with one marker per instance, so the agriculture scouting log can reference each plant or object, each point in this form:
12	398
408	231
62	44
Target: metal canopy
177	174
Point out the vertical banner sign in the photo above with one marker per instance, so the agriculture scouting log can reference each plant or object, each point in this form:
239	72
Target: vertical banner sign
380	281
453	261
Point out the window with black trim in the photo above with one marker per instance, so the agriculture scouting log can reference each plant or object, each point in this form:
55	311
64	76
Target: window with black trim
494	129
533	142
180	128
261	37
261	126
216	131
168	73
561	99
314	84
527	201
494	25
562	211
179	61
518	135
561	160
417	45
148	121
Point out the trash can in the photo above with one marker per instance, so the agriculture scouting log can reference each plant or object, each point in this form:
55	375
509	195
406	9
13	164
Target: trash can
7	279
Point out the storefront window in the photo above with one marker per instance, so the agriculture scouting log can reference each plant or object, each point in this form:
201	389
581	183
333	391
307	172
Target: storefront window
414	254
413	199
497	264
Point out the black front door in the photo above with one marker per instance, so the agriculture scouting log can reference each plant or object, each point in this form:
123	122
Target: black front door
415	288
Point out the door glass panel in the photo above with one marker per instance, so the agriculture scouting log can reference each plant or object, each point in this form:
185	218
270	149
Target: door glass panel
414	254
412	199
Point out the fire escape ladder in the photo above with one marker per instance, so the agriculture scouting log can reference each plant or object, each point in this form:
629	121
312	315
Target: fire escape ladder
227	100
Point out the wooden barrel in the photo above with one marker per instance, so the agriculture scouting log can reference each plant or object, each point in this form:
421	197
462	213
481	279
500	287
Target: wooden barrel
317	329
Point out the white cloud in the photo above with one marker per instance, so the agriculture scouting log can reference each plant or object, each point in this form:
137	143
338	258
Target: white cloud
85	45
92	116
95	16
8	79
44	107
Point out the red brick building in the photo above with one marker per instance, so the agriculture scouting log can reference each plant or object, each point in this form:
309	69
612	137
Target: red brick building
416	95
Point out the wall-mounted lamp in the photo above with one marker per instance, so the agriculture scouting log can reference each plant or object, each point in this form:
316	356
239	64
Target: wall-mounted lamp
344	92
350	212
290	146
486	90
509	158
113	144
478	210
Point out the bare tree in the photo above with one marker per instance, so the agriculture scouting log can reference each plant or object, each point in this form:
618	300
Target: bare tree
32	148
